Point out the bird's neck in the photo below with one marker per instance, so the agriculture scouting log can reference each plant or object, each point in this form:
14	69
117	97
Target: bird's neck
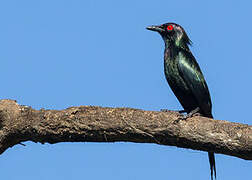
172	48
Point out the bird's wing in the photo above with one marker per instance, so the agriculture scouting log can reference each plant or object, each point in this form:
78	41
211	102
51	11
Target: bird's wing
194	79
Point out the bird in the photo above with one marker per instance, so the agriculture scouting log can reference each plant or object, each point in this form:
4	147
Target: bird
184	75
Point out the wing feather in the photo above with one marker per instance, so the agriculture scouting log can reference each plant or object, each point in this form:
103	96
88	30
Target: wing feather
194	79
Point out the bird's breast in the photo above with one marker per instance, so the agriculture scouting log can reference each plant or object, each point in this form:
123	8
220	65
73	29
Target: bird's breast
178	84
172	75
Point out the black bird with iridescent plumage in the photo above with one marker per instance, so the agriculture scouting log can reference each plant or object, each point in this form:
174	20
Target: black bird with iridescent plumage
183	74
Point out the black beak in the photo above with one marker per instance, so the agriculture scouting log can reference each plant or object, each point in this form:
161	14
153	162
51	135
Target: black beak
155	28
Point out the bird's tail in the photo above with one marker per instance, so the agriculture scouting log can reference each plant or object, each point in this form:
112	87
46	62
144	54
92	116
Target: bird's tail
212	164
211	158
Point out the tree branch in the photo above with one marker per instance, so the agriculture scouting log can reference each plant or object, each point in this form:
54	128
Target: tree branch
97	124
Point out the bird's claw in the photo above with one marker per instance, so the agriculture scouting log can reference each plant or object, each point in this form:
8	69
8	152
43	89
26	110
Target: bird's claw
193	113
167	110
181	117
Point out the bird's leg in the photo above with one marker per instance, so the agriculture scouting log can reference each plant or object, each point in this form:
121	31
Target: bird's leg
189	115
194	112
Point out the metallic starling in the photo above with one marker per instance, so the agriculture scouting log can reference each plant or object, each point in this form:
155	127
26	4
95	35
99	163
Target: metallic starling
184	76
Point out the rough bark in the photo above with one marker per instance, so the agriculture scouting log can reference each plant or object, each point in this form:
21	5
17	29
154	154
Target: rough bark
97	124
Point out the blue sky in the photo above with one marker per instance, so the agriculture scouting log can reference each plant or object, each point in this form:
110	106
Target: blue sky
56	54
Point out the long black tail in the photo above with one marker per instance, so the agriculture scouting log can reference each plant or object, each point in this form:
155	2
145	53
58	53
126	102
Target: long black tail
212	164
211	157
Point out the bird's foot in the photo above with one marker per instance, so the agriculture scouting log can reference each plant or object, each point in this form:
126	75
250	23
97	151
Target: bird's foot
194	112
181	111
167	110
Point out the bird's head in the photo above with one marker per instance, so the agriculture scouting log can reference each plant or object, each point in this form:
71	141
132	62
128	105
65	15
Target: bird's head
172	33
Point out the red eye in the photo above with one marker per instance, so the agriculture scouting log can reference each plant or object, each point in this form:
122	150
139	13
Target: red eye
170	27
